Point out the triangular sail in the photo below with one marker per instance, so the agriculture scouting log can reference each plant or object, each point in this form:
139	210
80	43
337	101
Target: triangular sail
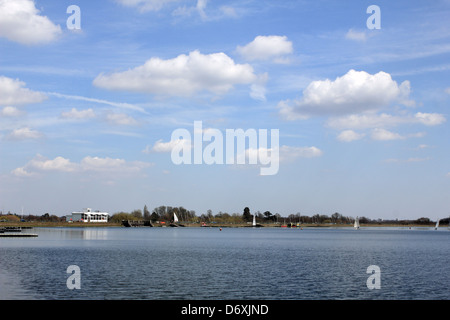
175	218
356	225
437	225
254	220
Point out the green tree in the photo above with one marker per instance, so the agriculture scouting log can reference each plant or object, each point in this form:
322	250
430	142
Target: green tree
137	213
146	213
247	215
154	216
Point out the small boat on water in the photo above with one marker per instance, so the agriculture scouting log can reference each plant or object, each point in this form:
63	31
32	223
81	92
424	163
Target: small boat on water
175	222
356	225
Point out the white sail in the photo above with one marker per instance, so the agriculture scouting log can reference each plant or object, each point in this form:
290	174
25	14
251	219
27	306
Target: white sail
175	218
254	220
356	225
437	225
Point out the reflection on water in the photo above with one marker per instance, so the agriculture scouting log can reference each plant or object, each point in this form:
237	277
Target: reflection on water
235	263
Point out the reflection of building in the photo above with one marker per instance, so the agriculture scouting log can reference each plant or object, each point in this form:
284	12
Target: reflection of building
87	215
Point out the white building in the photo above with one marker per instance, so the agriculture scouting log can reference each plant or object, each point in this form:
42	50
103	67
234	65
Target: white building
87	215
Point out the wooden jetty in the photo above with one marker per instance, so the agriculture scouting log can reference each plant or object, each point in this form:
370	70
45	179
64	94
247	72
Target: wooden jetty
136	223
16	235
10	232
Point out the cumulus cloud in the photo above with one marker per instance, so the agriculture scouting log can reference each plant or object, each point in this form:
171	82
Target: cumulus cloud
10	111
21	22
13	93
383	134
354	92
430	119
40	164
350	135
24	134
162	147
181	76
78	114
267	48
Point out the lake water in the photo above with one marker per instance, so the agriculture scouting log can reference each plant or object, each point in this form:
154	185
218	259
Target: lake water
235	263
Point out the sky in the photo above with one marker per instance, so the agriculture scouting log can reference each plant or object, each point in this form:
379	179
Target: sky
91	95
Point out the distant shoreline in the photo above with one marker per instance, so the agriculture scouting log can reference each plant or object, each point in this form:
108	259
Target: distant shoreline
210	225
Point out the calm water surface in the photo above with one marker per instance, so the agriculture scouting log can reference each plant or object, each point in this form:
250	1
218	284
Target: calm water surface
235	263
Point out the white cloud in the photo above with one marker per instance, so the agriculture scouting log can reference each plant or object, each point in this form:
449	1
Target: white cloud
354	92
110	103
88	164
21	172
201	6
288	153
371	120
24	134
121	119
349	135
78	114
258	89
430	119
146	5
384	135
228	11
57	164
200	9
98	164
267	48
161	146
20	22
10	111
13	93
181	76
356	35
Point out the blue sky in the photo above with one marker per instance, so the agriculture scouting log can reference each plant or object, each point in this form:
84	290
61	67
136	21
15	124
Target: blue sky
86	115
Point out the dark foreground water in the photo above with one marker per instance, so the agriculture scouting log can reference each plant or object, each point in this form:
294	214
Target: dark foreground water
235	263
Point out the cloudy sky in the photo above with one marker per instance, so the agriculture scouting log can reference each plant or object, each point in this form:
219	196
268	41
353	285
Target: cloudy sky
89	101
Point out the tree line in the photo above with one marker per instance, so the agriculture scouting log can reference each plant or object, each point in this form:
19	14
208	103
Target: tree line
166	213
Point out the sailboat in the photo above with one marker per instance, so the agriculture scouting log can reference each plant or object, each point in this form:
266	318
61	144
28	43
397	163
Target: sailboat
437	225
254	220
175	220
356	225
